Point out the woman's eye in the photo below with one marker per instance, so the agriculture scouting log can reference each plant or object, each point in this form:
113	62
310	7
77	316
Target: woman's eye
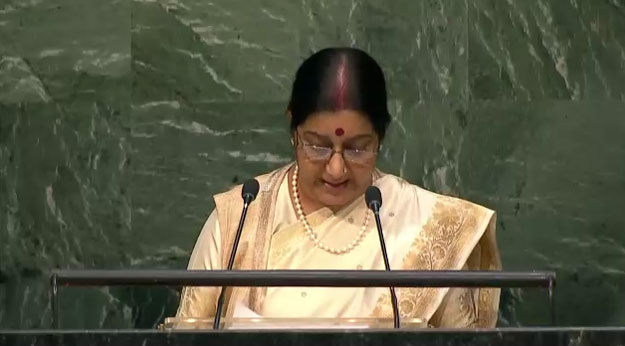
320	148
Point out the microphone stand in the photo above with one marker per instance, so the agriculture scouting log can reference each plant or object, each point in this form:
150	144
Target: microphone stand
248	197
388	268
373	198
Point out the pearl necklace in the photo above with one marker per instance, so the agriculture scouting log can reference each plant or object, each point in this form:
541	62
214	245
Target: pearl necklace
309	231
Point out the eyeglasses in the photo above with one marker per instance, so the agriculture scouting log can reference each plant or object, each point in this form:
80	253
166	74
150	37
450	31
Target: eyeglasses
322	153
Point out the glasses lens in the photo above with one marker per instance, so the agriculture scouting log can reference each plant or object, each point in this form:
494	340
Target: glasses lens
358	156
317	153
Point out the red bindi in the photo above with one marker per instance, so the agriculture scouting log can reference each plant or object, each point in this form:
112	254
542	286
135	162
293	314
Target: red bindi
339	132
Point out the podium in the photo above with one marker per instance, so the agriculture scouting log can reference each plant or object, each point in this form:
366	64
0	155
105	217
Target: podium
568	336
300	278
331	332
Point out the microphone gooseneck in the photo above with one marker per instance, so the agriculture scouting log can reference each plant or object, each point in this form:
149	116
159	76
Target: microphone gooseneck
248	193
373	198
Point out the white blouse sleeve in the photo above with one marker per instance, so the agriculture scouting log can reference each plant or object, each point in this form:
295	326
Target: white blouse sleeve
200	302
206	254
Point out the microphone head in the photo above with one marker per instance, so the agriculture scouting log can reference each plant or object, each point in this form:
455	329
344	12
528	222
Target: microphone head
250	190
373	198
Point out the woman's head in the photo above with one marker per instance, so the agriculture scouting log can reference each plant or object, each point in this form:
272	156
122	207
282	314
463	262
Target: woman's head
339	117
336	79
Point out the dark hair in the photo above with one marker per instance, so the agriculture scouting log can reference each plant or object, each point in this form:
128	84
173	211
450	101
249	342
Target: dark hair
334	79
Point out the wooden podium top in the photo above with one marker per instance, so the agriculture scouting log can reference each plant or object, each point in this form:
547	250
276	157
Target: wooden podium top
251	323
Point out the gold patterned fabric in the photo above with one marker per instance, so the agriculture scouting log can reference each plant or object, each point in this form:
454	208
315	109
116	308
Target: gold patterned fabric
423	231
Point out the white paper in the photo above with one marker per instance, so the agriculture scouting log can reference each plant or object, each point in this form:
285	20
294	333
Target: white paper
246	318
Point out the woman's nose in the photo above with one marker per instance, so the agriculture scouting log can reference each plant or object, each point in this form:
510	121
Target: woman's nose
336	167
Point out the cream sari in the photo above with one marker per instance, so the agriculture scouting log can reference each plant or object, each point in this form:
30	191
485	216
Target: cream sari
423	231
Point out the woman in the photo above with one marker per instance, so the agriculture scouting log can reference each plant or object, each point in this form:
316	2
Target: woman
311	214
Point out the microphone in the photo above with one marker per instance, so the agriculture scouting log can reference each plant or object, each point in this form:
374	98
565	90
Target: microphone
248	193
373	198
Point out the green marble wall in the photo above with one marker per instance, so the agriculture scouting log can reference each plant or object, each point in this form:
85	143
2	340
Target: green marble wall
119	119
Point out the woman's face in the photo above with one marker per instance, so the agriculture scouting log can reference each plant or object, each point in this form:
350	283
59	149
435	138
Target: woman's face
336	154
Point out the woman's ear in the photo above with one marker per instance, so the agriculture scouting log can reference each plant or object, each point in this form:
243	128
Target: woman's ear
294	138
289	116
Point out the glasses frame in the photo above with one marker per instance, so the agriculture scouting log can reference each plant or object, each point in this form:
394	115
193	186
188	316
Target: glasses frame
300	142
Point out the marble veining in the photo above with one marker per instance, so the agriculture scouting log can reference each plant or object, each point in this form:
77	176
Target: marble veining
119	119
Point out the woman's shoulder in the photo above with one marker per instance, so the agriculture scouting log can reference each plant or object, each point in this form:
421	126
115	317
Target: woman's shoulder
400	189
267	181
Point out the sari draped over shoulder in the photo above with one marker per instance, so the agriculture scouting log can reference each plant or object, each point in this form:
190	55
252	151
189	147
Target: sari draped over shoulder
423	231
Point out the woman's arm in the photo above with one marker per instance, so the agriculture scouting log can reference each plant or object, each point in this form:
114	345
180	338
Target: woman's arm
199	302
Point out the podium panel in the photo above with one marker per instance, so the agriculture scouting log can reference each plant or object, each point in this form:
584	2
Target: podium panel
565	336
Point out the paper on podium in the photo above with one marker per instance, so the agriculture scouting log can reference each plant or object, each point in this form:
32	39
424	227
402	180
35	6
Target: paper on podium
244	315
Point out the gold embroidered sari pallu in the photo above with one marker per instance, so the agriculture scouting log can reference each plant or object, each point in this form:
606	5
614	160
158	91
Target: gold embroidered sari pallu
423	231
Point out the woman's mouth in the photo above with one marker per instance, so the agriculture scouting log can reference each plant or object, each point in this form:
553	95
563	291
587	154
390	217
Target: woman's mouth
335	186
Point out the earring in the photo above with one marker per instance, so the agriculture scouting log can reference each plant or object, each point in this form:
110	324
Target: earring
292	142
